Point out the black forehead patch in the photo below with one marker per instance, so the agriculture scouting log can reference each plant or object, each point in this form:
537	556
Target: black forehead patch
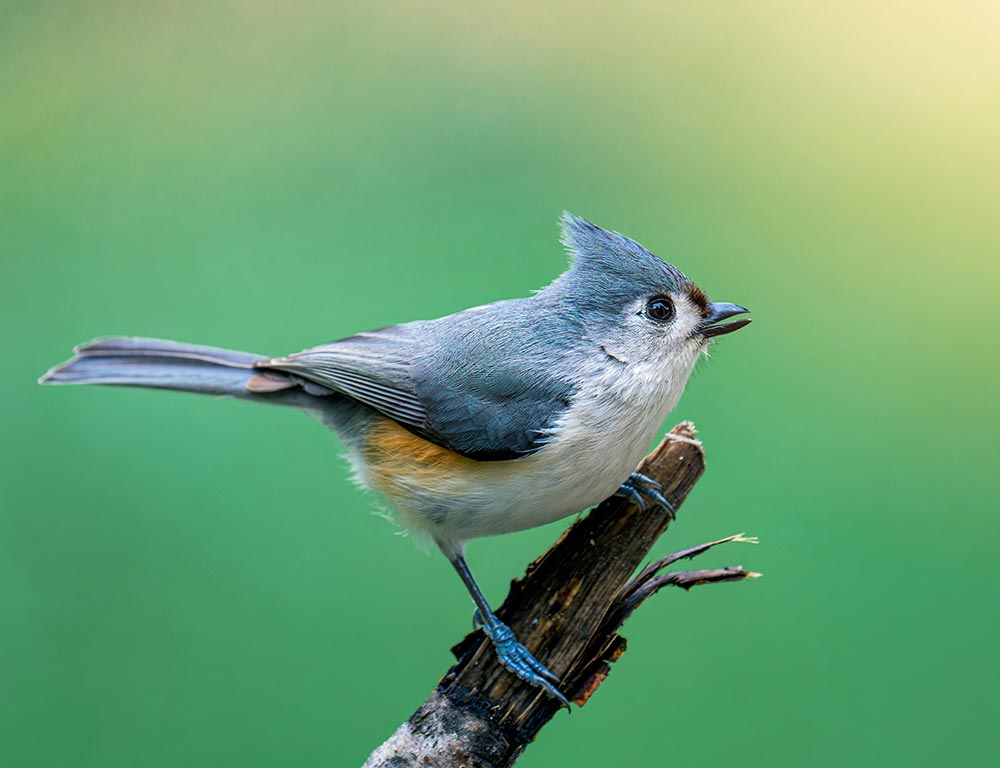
699	299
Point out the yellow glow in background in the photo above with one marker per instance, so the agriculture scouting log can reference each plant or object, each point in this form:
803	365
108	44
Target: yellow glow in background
189	582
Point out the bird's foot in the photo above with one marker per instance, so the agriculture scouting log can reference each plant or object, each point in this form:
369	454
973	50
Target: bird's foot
639	487
514	657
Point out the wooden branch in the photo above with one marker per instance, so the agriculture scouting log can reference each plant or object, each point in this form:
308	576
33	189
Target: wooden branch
566	609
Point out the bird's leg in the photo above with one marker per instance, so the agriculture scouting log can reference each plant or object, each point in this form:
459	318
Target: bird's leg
510	653
640	487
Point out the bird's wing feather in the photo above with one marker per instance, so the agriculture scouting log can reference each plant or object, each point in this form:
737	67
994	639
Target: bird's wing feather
486	403
371	368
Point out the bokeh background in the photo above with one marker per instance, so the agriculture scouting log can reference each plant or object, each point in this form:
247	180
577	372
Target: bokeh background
193	582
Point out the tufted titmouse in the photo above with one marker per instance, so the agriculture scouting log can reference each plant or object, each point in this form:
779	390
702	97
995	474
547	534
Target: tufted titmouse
492	420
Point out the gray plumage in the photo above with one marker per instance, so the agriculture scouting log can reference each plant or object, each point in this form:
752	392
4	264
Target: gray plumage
487	383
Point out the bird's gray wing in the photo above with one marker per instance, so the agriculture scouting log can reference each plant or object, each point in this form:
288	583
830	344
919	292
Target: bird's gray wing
473	393
489	395
371	368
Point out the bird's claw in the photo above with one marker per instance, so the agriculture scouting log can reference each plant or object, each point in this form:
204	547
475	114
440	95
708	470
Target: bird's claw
640	487
514	657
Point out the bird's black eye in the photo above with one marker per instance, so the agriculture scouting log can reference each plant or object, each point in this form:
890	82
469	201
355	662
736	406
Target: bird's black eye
660	308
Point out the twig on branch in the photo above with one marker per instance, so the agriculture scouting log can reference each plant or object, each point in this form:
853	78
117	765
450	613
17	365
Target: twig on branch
567	610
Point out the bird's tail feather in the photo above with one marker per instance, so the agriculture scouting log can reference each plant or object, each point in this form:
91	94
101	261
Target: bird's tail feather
160	364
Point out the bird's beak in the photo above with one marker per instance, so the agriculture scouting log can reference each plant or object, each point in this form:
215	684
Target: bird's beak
713	325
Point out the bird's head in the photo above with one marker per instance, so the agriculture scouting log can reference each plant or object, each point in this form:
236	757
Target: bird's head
634	304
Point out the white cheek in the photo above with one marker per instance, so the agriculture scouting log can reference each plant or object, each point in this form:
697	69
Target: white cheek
688	318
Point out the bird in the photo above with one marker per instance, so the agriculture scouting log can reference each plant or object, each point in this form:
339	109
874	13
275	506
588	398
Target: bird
492	420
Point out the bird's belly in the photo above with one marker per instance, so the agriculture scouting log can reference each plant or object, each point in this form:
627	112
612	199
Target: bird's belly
456	498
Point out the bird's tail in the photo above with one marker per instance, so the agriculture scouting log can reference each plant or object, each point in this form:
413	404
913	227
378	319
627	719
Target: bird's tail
159	364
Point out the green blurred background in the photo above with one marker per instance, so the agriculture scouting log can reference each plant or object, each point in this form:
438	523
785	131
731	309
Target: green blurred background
193	582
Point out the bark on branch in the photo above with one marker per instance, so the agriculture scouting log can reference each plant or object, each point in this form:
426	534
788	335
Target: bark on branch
567	610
